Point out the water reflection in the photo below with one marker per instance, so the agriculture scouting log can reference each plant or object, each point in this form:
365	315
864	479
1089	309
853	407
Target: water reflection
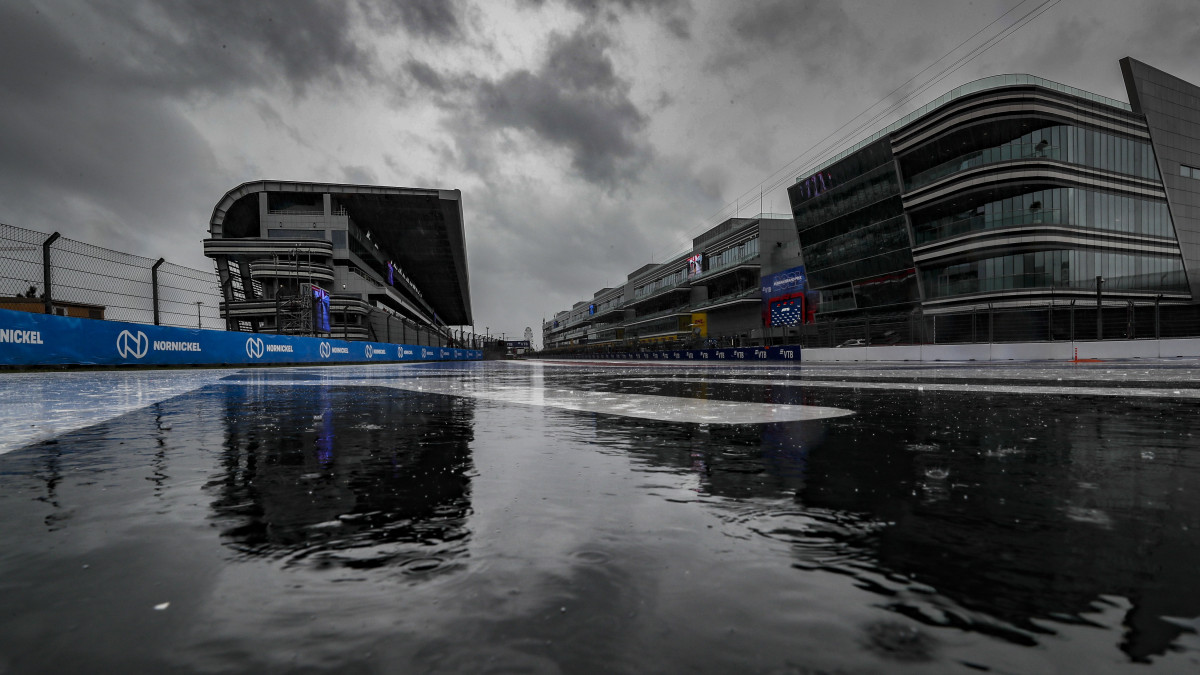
1002	515
341	476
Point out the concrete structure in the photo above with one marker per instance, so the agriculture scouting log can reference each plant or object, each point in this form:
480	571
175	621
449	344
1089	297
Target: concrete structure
1007	192
711	293
393	260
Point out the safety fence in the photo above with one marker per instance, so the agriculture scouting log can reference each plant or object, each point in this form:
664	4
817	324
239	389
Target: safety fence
51	274
30	339
70	278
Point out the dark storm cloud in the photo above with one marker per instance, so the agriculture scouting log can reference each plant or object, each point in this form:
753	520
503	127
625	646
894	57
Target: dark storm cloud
674	15
816	34
434	19
190	45
575	101
79	157
359	175
96	139
425	76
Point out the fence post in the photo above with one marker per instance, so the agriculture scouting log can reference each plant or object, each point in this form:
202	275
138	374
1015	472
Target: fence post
991	323
387	322
1157	299
48	301
154	286
1071	312
867	328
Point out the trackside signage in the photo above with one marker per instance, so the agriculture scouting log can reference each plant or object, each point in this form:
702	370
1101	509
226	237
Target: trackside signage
21	337
727	355
44	339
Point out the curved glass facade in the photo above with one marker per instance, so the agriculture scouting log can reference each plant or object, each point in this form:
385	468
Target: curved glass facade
1075	207
1068	143
1069	184
856	193
1071	269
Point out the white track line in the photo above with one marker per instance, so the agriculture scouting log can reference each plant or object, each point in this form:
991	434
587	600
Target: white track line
1140	392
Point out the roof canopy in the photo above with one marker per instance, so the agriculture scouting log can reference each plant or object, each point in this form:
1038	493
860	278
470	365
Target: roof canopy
421	230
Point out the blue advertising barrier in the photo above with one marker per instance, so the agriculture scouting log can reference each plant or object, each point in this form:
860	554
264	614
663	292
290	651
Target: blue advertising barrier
725	355
46	340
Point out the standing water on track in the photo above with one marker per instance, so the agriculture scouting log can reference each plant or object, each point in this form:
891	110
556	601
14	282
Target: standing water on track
513	517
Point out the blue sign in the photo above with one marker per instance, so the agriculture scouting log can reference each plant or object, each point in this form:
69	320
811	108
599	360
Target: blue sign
43	339
320	309
784	296
729	354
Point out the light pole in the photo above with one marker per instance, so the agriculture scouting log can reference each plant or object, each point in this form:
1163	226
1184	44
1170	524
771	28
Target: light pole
198	303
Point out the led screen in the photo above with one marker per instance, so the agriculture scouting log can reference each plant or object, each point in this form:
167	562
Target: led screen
320	309
783	295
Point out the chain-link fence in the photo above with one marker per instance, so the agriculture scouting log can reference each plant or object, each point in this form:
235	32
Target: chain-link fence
48	273
53	274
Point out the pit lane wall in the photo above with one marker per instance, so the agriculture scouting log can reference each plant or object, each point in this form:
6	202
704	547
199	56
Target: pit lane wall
48	340
725	355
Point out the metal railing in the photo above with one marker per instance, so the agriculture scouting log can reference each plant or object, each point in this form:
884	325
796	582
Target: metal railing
925	235
72	278
51	274
1003	153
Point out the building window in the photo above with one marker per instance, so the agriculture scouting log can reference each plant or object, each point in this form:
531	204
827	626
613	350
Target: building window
284	233
1189	171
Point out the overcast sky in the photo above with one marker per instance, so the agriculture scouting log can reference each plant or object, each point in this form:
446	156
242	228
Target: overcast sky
587	137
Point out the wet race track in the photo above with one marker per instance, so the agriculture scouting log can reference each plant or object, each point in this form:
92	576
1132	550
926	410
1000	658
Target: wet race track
518	517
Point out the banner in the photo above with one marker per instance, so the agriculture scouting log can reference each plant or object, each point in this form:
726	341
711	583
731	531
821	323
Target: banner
785	298
728	354
320	309
43	340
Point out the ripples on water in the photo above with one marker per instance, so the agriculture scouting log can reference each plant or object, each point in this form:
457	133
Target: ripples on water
366	528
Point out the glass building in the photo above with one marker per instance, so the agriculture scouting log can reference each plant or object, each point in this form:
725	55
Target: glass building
738	278
1011	191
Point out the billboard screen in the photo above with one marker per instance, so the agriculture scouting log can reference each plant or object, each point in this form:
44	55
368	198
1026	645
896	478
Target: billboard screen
695	265
320	309
784	298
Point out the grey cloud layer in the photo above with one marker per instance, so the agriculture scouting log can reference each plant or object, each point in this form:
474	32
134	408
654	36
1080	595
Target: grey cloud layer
573	101
674	15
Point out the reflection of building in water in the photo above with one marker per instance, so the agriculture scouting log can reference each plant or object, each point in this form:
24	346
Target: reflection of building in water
340	471
1009	515
1023	513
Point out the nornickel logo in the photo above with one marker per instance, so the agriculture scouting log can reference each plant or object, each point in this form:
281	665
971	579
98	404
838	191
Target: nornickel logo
254	348
130	346
370	351
325	350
